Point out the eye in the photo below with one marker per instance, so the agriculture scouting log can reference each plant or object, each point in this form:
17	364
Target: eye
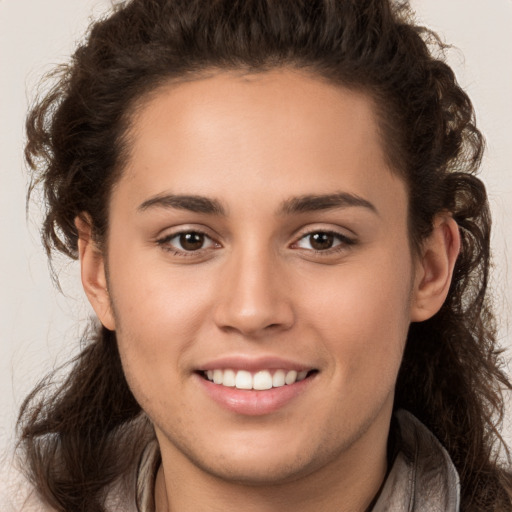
323	241
187	241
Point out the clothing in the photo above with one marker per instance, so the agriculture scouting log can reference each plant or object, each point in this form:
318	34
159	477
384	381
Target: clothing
422	477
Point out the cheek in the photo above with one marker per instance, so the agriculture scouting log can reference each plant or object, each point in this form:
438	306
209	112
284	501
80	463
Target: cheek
363	315
146	296
157	316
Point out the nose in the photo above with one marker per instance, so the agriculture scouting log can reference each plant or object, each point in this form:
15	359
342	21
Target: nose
255	299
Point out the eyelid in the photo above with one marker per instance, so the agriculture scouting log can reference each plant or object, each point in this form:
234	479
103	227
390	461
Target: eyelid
171	231
340	231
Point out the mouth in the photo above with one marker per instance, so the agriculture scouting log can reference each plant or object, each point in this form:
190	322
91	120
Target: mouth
256	386
260	380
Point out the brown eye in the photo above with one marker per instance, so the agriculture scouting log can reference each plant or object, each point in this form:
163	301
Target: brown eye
191	241
321	241
187	242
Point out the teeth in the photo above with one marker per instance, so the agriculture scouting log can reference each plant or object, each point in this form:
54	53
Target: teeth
260	381
218	376
301	375
243	380
291	377
229	378
278	379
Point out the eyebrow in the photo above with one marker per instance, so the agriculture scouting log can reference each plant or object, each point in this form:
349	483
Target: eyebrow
197	204
300	204
309	203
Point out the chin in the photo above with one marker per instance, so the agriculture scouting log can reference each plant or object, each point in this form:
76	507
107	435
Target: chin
261	472
267	461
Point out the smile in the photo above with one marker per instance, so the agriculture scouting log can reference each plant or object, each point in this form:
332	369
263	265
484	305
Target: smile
255	391
259	381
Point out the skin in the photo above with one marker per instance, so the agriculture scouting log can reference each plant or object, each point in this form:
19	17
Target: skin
257	288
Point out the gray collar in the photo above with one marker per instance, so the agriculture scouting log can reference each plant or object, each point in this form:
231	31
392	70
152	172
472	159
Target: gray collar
422	477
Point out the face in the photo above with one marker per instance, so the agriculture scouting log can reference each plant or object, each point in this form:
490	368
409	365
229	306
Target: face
260	276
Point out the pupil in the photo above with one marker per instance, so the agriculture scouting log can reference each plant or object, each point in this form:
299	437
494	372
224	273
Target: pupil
191	241
321	241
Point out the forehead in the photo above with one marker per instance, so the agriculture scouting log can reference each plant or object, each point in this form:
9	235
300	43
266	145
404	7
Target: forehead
276	132
293	104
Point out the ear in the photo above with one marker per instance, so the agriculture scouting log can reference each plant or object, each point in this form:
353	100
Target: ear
92	266
434	268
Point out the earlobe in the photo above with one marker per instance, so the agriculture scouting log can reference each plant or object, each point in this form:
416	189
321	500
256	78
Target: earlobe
92	266
434	268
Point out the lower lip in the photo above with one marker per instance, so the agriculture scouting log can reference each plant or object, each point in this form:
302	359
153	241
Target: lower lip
251	402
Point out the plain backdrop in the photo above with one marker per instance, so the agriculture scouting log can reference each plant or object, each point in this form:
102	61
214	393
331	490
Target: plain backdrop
40	327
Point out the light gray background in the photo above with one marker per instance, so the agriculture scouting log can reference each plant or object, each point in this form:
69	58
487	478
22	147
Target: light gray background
39	328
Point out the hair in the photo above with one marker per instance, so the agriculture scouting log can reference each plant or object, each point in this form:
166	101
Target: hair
80	437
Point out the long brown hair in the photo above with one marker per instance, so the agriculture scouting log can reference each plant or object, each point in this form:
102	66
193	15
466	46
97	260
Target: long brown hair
80	437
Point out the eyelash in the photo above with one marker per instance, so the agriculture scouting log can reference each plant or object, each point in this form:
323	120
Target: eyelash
344	242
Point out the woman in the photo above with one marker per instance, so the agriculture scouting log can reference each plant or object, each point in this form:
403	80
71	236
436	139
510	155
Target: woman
282	235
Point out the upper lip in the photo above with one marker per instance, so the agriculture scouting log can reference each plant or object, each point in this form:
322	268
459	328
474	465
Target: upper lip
254	364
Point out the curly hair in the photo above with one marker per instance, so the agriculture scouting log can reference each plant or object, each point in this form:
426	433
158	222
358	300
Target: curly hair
79	438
